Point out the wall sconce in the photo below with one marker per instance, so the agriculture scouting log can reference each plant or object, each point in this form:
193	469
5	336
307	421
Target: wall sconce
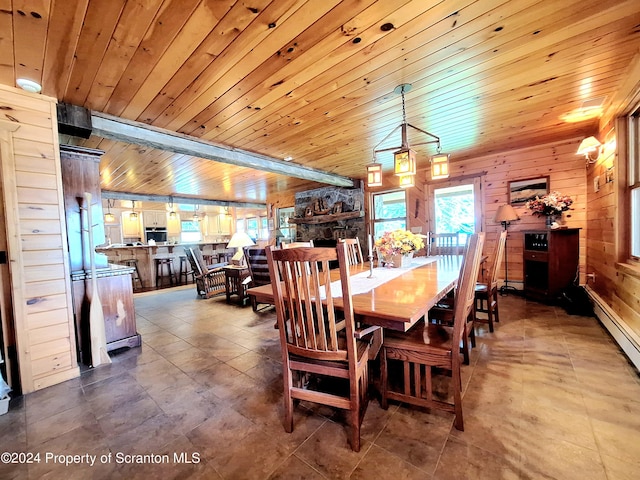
440	166
109	217
587	147
407	181
374	175
133	216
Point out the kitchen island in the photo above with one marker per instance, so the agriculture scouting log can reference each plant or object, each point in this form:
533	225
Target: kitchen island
146	255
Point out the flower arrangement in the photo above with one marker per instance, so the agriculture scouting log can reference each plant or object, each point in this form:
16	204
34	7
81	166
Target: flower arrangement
553	203
399	242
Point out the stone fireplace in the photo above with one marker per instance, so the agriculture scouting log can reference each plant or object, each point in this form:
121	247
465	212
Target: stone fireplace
326	214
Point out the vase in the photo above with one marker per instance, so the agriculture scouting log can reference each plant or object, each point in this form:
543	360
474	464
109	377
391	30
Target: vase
549	219
399	260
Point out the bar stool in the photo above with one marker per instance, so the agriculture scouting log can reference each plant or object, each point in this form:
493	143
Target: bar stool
160	268
185	270
135	275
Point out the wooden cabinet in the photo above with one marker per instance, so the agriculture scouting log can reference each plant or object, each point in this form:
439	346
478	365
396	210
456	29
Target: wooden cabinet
550	259
130	227
173	226
217	225
155	219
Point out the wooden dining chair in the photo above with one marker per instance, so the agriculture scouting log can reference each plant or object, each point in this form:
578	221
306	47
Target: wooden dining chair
354	251
486	294
258	269
316	340
445	244
427	346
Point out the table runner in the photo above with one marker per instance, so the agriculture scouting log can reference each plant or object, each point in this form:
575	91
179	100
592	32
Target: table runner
361	284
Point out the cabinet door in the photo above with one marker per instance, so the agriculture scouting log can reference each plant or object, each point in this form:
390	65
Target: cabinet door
173	226
161	219
130	228
225	224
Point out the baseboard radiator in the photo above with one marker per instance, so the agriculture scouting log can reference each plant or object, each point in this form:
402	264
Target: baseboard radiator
627	340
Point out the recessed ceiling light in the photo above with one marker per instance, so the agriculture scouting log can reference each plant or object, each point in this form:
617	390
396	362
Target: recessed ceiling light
29	85
288	159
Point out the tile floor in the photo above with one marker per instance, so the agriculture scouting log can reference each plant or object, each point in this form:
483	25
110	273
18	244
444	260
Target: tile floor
547	396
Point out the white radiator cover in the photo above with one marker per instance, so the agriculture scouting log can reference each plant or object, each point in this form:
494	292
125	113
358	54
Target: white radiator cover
627	340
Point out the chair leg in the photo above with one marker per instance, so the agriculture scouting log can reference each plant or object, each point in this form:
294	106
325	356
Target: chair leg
496	317
490	314
288	401
384	403
457	400
355	421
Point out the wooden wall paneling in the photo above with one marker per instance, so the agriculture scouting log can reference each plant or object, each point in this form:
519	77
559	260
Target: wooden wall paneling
37	243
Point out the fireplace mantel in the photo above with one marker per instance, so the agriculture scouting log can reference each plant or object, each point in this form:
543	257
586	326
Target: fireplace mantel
332	217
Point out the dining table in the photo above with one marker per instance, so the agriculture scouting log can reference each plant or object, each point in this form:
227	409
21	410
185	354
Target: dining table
392	298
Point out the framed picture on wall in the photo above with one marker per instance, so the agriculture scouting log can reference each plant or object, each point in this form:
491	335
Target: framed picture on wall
521	191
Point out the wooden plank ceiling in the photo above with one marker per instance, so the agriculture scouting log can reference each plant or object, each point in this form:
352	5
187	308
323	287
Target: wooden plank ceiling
313	80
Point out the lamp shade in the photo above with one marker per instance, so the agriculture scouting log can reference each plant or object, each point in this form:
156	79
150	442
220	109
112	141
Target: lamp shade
506	213
588	145
440	166
404	162
374	175
407	181
239	240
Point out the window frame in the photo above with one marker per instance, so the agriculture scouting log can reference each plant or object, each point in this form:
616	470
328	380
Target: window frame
375	220
630	163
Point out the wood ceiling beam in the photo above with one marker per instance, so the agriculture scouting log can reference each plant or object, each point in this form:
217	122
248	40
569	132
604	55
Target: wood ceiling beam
140	197
130	131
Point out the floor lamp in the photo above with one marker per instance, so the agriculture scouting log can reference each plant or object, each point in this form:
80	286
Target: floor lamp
505	215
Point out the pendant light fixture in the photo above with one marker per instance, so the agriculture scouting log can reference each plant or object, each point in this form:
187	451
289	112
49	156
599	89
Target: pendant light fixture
196	218
133	216
109	217
374	175
404	158
172	212
440	166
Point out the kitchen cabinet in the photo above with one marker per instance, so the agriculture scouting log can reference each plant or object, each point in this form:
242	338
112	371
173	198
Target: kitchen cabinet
550	259
217	225
173	226
155	219
130	228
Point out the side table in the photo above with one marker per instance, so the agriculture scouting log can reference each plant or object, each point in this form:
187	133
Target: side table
234	280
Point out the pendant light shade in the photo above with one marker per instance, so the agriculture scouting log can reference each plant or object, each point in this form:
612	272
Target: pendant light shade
109	217
133	216
407	181
440	166
374	175
404	162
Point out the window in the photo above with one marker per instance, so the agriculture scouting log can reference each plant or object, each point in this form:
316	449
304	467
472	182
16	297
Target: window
190	231
455	207
287	229
264	228
389	212
252	228
633	183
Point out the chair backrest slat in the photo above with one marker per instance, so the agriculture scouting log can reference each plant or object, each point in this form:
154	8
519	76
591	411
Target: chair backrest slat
497	259
445	244
354	251
465	292
307	319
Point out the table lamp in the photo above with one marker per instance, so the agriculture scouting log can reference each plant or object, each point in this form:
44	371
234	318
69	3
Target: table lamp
239	240
505	215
